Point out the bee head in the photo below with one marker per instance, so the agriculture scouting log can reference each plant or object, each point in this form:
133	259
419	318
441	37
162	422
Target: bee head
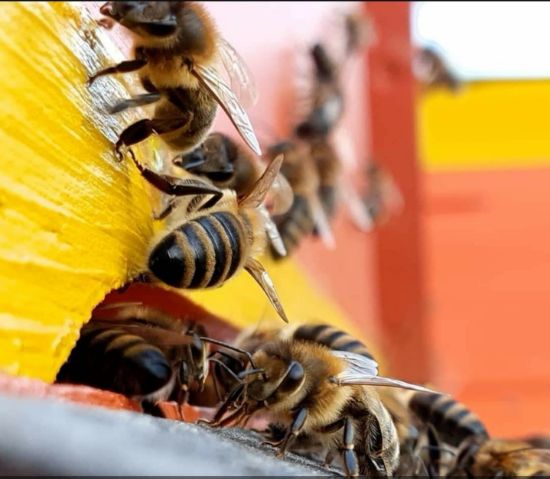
283	376
215	159
147	19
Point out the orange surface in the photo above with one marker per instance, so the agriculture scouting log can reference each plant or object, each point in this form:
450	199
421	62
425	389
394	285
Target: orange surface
398	266
488	267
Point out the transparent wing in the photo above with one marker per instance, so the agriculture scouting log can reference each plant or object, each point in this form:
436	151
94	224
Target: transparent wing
256	197
272	232
210	79
260	275
364	371
321	221
281	195
240	77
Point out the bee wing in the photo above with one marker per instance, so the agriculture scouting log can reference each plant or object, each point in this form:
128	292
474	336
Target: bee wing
210	79
362	370
240	77
281	195
321	221
256	197
261	276
272	232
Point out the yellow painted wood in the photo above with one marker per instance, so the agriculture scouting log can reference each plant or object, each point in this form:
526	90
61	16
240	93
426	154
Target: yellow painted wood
496	124
75	223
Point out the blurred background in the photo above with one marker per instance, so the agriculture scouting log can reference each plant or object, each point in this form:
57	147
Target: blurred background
455	285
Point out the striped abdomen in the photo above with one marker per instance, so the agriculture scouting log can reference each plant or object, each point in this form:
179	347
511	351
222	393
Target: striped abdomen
114	360
332	338
453	421
201	253
295	224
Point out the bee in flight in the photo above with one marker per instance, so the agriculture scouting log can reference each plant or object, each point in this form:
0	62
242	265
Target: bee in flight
317	394
176	50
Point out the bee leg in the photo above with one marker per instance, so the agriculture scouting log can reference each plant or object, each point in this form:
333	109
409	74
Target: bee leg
139	100
172	185
124	67
348	454
434	453
295	428
230	400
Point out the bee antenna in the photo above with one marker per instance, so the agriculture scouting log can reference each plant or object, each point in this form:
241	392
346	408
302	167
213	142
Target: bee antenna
230	347
228	369
248	372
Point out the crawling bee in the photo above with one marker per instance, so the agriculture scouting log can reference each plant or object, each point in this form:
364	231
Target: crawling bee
452	424
315	393
306	212
176	48
140	352
208	238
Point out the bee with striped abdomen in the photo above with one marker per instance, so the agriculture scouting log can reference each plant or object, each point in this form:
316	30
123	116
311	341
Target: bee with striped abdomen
176	47
317	395
140	352
227	164
208	238
306	212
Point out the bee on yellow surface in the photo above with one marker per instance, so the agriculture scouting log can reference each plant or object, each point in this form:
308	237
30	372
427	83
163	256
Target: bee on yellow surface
209	234
316	394
176	49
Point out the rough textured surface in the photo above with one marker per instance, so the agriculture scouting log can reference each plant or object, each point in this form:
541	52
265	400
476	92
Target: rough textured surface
50	437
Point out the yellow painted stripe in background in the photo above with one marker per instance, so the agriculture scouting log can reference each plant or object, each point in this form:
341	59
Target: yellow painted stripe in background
497	124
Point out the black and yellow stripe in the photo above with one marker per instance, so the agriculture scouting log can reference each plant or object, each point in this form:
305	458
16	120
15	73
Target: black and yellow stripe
332	338
453	421
201	253
115	360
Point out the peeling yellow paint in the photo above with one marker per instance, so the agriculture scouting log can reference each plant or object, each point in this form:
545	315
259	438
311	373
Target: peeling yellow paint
74	222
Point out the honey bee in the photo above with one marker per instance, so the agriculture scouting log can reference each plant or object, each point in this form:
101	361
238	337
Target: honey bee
140	352
317	394
208	238
176	48
306	212
477	454
432	71
504	458
326	98
228	165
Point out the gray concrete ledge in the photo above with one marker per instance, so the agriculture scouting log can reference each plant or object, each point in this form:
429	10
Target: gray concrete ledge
50	437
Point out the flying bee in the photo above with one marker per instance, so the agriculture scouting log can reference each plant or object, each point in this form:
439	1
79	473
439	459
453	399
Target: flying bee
140	352
432	71
317	393
176	49
306	212
210	235
326	97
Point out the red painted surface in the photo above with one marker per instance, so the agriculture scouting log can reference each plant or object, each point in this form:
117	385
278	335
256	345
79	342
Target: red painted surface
398	246
488	264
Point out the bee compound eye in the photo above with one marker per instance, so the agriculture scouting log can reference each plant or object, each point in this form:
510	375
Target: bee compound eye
295	371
